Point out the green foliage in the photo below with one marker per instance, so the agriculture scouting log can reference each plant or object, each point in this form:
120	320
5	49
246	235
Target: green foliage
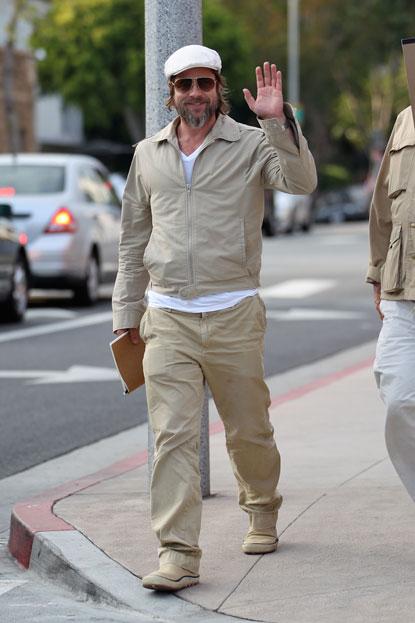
352	69
332	176
95	57
223	32
352	76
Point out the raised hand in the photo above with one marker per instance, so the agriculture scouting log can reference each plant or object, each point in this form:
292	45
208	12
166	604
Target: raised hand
269	101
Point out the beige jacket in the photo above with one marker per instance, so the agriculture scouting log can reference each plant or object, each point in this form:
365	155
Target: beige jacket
392	215
194	240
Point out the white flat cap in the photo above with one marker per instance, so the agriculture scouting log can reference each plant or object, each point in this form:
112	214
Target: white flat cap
191	56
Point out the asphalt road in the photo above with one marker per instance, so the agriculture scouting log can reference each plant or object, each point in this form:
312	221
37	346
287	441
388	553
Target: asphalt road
318	304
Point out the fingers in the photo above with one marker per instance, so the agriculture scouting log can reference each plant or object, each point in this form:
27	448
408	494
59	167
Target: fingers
259	78
267	74
379	311
276	78
120	331
134	336
377	291
249	99
377	306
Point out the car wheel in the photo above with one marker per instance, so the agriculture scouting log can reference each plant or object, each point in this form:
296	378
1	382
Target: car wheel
87	292
16	303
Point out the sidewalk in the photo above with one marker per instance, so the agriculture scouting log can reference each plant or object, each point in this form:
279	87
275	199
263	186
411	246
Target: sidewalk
346	551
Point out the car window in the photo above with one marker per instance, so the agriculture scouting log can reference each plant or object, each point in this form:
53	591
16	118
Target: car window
95	187
25	179
111	194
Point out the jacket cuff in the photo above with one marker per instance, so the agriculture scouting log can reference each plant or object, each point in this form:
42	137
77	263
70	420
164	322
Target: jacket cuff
373	274
277	135
127	318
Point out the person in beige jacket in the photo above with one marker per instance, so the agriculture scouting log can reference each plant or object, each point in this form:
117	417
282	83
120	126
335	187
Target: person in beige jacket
392	273
191	235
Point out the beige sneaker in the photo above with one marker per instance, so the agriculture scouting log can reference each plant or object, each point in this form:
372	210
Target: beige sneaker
262	534
170	578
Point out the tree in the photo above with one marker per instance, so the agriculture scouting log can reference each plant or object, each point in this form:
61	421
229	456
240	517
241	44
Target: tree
95	59
19	9
352	69
352	78
225	32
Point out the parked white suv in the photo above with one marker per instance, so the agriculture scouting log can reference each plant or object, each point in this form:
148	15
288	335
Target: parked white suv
66	206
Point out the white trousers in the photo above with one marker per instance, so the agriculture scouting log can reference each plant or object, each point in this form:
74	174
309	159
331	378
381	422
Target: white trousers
395	375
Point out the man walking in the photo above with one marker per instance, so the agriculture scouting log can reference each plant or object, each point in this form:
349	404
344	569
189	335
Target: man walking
392	273
191	232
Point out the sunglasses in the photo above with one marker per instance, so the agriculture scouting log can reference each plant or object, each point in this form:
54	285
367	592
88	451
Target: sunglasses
184	85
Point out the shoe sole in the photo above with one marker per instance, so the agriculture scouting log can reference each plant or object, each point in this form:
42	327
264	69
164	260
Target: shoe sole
164	584
259	548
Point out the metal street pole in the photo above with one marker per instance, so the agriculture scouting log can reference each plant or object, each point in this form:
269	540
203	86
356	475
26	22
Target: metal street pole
293	53
169	25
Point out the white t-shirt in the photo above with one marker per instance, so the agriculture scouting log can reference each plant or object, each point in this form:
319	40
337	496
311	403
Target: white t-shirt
200	304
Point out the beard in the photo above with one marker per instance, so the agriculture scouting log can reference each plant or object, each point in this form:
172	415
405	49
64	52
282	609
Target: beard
196	121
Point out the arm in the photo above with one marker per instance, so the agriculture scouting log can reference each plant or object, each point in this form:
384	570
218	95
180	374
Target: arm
288	163
380	220
128	300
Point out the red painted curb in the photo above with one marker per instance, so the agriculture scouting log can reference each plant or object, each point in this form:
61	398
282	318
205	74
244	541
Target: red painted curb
36	515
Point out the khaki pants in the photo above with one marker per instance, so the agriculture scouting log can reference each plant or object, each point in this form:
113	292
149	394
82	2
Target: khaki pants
225	348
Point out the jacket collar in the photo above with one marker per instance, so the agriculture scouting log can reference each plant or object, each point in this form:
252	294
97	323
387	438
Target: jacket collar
225	128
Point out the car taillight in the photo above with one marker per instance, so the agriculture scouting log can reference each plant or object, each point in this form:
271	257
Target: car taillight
62	222
7	191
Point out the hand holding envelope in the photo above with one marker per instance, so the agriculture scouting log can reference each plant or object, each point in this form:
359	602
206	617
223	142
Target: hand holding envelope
128	358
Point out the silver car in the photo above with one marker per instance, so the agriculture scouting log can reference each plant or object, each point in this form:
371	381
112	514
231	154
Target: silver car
66	206
292	212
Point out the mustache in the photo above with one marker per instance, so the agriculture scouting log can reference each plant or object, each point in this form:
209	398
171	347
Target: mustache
196	100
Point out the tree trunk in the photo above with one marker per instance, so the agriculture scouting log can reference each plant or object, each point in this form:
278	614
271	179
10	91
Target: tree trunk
12	119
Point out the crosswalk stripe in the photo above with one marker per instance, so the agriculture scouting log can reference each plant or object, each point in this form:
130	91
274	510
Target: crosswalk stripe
296	314
297	288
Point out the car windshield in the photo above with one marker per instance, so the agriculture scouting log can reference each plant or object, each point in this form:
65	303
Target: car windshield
28	179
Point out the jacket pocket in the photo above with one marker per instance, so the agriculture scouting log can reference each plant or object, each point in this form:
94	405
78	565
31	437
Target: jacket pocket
392	269
401	160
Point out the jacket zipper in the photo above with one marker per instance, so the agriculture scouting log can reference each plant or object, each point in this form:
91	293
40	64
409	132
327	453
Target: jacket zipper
191	268
189	234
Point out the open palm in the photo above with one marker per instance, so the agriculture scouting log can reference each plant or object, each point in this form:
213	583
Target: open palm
269	100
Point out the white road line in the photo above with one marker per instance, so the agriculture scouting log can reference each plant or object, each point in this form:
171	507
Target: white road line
77	374
74	374
56	327
296	314
297	288
8	585
49	312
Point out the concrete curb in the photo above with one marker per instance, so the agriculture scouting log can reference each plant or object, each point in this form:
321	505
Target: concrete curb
54	548
36	514
72	560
